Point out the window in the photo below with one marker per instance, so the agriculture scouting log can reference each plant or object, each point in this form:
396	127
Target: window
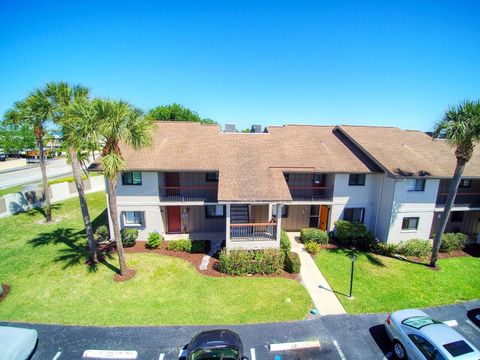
416	184
211	177
133	217
410	223
284	211
427	349
465	183
458	348
214	211
356	180
457	216
354	214
287	177
318	179
131	178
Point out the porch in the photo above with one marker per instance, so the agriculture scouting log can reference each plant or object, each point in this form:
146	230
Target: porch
467	222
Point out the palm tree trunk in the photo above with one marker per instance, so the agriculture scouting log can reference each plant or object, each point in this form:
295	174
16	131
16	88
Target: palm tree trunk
83	203
48	205
457	176
112	204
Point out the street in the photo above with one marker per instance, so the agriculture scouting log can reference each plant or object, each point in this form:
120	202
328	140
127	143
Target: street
339	337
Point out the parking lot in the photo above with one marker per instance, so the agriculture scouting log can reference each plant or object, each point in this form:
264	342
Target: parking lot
329	337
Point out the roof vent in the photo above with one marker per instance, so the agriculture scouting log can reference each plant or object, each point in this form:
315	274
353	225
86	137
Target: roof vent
256	129
230	128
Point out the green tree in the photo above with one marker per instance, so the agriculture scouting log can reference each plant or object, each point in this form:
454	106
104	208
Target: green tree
460	127
176	112
15	139
35	111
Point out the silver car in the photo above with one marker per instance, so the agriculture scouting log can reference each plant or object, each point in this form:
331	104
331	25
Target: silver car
415	335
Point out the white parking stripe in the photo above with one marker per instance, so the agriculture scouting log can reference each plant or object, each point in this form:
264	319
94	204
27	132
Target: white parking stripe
57	355
473	325
340	352
161	356
294	345
252	354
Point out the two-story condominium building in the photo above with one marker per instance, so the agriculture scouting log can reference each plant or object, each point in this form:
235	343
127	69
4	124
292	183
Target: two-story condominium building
198	182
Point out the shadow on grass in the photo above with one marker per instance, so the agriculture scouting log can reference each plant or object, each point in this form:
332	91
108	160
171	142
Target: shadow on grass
76	252
41	210
371	258
334	291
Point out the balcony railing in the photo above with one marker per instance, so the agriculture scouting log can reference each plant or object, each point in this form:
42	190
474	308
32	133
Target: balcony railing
463	199
253	232
188	193
311	193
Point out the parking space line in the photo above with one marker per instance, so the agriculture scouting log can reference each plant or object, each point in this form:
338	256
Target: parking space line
339	350
252	354
161	356
294	345
57	355
473	325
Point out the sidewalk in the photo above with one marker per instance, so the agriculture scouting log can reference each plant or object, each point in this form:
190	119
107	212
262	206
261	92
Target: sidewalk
12	164
321	293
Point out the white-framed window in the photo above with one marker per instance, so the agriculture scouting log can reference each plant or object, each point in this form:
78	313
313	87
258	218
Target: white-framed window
133	218
465	183
410	223
354	214
131	178
356	180
416	184
214	211
284	211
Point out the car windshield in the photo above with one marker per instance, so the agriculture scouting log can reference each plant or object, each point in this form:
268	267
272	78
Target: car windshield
418	322
223	353
458	348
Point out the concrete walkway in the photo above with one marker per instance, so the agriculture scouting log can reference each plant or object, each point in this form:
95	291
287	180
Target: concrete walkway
321	293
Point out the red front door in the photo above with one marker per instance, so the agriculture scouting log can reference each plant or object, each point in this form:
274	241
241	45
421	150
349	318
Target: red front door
174	221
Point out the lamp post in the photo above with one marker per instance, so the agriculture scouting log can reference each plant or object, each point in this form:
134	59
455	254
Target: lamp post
351	275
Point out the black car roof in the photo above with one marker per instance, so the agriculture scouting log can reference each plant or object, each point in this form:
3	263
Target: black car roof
214	338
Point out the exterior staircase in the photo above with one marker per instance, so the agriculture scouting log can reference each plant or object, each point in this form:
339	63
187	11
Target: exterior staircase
239	214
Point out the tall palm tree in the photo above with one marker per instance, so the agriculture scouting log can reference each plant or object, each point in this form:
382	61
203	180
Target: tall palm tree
66	99
35	111
460	127
117	122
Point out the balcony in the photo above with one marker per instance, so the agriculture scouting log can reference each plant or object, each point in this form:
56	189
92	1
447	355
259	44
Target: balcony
311	193
188	193
253	232
463	199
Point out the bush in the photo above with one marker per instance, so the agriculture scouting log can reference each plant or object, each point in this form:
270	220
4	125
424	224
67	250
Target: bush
350	232
154	240
415	247
101	233
314	235
385	249
453	242
68	179
129	236
292	263
312	248
285	245
195	246
243	262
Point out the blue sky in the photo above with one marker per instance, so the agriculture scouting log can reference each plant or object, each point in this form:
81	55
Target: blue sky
396	63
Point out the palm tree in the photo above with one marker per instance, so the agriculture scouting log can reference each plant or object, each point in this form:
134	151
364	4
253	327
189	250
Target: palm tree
117	122
66	99
460	127
35	111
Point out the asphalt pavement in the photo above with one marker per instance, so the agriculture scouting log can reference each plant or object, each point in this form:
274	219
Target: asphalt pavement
339	337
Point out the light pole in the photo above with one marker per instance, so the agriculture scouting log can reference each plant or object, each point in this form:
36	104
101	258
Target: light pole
351	275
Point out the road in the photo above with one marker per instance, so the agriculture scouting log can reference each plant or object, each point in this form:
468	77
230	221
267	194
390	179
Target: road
340	337
31	173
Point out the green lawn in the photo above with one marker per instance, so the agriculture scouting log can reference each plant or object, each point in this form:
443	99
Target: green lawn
44	264
10	190
383	284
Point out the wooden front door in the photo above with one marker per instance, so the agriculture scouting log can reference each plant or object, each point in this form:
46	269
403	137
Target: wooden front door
323	217
174	221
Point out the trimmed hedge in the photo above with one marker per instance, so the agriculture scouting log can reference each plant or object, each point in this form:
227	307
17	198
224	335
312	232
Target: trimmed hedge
285	245
129	236
68	179
353	233
415	247
385	249
244	262
312	248
154	240
292	263
313	235
185	245
453	242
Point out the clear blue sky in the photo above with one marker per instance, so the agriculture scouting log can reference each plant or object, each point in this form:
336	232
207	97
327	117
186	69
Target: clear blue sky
268	62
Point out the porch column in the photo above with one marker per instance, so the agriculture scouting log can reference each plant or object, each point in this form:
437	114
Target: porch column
270	211
227	225
279	222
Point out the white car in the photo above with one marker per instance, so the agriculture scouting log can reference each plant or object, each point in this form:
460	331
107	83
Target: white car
17	343
415	335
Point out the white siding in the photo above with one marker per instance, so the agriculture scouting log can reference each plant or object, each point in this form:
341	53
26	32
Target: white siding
145	194
152	219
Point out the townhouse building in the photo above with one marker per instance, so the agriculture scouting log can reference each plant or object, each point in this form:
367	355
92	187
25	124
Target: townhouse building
198	182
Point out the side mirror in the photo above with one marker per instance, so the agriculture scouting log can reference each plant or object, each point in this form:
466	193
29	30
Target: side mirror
244	358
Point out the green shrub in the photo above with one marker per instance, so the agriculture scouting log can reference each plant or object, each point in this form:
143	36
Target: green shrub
68	179
129	236
243	262
185	245
285	245
312	248
385	249
101	233
314	235
415	247
154	240
453	242
350	232
292	263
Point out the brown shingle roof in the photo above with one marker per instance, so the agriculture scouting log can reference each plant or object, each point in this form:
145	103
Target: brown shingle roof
250	165
408	152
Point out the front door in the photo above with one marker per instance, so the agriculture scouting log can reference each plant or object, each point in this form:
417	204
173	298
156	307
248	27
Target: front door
174	221
323	217
314	213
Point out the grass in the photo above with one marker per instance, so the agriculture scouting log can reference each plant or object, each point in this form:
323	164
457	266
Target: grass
383	284
11	190
44	264
69	179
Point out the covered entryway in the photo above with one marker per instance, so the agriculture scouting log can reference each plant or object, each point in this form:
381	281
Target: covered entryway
304	216
174	220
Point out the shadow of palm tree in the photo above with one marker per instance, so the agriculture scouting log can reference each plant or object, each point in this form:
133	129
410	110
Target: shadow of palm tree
41	210
371	258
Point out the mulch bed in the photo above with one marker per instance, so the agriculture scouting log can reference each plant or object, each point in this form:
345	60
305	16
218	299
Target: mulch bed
130	274
6	290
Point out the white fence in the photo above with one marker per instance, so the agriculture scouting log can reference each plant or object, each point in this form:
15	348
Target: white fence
21	201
